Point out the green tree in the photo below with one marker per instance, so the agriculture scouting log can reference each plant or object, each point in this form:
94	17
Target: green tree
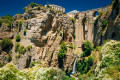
88	49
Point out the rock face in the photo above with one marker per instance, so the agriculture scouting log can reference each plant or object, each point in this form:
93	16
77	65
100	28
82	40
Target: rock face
45	30
112	30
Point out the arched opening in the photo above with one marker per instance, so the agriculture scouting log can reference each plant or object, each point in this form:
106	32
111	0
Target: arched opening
95	14
85	27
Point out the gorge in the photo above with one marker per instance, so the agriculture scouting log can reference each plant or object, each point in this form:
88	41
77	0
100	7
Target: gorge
45	43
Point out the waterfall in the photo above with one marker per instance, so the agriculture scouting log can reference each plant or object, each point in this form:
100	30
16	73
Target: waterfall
74	67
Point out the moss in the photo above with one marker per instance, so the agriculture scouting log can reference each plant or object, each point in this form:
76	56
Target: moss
17	56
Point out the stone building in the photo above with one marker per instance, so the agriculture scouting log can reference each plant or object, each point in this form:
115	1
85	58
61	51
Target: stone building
57	8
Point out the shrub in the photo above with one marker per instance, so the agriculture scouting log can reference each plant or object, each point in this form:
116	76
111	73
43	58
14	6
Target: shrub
33	4
20	25
88	49
71	46
39	8
22	50
73	20
33	63
29	47
58	31
6	44
62	51
17	56
25	9
17	47
25	32
104	24
84	65
18	38
61	34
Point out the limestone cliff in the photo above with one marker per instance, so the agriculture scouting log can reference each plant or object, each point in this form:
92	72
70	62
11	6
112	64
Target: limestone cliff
45	30
108	24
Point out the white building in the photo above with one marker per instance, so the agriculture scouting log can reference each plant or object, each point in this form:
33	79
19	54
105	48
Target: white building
56	7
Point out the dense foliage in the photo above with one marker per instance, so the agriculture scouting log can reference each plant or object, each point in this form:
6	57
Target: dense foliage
18	38
84	65
10	72
33	4
88	49
63	50
6	44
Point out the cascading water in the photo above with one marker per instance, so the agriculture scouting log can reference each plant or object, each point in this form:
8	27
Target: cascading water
74	67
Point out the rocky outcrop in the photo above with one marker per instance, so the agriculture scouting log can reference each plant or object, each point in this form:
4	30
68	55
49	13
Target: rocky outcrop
45	30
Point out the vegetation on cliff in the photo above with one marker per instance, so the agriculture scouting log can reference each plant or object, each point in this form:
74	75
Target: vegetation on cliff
10	72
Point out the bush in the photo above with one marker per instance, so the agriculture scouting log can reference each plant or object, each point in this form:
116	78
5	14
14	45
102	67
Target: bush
6	44
17	47
33	63
39	8
17	56
25	32
71	46
18	38
20	25
29	47
33	4
62	51
88	49
22	50
73	20
84	66
61	34
104	24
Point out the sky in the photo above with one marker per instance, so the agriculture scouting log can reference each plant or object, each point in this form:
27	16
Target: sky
16	6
